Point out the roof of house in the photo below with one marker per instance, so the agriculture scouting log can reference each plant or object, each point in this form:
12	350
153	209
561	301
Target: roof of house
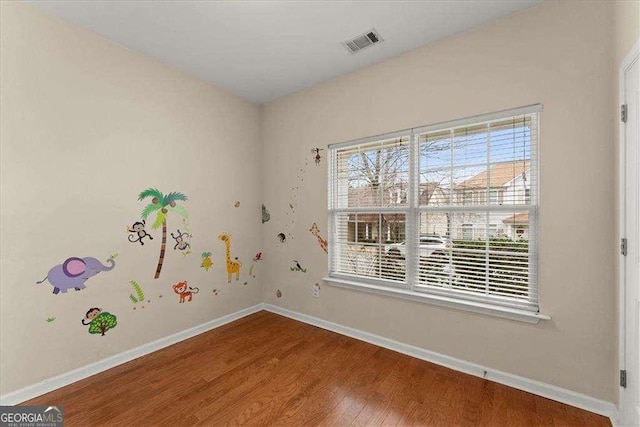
500	174
521	218
426	192
366	196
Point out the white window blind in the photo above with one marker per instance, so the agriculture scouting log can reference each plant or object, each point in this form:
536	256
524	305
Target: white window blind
448	210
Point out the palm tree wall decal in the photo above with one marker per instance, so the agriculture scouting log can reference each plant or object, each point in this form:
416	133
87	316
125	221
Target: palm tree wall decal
162	204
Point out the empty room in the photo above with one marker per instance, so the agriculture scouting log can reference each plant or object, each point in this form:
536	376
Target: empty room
312	213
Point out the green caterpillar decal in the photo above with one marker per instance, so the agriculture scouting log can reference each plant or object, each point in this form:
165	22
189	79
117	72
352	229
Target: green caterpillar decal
133	299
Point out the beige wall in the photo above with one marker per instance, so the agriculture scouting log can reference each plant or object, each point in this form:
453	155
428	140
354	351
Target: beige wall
558	54
627	27
85	126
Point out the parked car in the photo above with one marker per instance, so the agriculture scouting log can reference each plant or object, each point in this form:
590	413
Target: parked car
428	245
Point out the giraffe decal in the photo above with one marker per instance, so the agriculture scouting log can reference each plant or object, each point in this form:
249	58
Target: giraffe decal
321	241
233	265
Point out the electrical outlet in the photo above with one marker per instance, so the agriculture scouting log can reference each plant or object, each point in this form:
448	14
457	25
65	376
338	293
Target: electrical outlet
316	290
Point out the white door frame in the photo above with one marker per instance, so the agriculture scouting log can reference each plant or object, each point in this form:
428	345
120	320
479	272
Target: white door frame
626	62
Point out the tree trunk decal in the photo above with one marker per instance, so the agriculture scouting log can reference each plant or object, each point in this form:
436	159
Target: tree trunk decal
162	249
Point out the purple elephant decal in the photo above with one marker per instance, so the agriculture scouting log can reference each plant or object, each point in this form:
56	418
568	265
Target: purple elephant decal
72	273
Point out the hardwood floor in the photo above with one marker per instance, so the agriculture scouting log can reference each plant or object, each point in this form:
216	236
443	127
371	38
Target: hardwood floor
266	369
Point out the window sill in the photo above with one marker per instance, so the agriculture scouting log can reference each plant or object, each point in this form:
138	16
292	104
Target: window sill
442	301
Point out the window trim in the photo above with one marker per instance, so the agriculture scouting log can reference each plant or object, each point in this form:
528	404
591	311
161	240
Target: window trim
405	290
438	300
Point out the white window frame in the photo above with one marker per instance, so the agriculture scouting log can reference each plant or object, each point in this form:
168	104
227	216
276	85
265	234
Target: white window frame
412	226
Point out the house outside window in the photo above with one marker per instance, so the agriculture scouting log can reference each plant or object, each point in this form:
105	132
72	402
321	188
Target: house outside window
494	197
468	197
467	231
452	210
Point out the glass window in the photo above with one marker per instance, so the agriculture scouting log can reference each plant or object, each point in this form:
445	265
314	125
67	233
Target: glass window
447	209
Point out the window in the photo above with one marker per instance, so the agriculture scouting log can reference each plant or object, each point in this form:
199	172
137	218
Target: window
467	231
451	210
468	197
493	197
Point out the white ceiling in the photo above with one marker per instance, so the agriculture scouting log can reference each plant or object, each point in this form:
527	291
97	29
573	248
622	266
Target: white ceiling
262	50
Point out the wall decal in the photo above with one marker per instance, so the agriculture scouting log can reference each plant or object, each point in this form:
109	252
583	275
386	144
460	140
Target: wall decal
245	283
99	322
185	224
139	297
233	266
322	242
215	292
317	157
266	216
207	263
282	237
294	200
50	319
181	243
163	204
256	258
236	204
74	272
138	290
184	291
278	293
137	230
298	267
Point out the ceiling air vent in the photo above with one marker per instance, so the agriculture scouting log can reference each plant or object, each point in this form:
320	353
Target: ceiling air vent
362	41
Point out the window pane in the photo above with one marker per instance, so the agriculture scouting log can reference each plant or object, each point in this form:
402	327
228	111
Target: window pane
487	254
371	245
373	174
488	164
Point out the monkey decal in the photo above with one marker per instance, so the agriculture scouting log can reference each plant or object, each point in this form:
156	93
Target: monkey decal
91	314
181	244
99	321
138	229
317	157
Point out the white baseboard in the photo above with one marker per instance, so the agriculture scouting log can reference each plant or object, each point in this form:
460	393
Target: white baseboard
549	391
67	378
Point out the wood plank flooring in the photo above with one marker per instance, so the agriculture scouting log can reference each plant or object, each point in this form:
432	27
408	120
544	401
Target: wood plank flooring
266	369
